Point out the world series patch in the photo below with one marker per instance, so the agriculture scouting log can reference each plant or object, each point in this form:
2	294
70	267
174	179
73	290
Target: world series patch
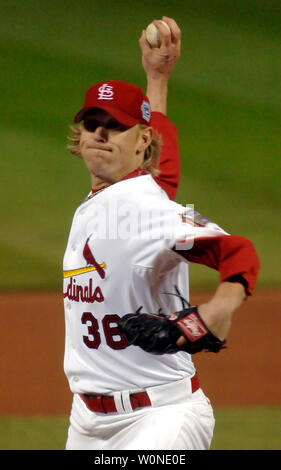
194	218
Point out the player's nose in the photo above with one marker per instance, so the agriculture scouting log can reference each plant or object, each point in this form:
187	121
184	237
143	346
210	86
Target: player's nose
100	134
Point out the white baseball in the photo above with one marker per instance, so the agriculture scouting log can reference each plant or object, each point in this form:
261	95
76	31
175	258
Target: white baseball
153	36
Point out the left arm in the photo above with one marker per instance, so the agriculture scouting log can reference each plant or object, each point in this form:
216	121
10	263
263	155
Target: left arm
217	312
237	262
203	327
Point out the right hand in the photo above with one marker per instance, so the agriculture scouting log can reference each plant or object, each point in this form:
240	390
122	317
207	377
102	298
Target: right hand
159	62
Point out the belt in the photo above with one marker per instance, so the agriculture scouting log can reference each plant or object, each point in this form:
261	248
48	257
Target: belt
106	404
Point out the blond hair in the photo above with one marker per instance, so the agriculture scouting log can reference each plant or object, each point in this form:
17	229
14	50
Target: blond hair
151	155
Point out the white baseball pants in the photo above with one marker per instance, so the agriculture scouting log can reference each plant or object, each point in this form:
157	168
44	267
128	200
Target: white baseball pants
177	420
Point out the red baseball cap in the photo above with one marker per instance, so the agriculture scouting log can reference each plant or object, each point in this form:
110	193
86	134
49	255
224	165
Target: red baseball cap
123	101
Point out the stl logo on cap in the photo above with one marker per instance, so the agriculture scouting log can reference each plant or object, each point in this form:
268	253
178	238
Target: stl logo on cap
145	108
106	92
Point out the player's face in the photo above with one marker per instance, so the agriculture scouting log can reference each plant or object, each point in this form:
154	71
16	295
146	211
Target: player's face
109	149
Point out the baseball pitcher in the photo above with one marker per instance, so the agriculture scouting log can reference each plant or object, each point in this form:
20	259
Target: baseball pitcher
130	331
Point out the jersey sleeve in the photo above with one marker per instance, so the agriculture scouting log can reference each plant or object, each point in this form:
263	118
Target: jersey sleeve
233	256
201	241
169	167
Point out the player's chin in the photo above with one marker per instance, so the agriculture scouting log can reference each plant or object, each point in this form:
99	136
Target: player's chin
101	169
98	160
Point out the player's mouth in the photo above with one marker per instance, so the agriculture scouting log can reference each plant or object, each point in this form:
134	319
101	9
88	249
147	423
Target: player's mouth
99	147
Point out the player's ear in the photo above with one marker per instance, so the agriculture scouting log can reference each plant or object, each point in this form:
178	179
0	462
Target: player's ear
145	138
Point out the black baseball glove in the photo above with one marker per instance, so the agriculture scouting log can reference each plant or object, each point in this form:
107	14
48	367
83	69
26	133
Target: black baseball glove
158	334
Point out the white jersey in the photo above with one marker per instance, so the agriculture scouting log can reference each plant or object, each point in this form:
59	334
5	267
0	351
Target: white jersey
120	259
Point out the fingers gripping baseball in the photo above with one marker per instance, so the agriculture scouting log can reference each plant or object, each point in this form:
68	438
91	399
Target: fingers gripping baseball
159	335
159	61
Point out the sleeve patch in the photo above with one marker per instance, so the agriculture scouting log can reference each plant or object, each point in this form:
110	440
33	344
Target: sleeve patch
192	217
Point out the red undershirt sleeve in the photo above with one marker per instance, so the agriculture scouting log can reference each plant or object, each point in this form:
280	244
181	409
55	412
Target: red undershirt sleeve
169	160
233	256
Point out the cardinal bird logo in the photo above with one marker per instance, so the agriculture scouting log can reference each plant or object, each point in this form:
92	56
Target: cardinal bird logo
89	257
92	264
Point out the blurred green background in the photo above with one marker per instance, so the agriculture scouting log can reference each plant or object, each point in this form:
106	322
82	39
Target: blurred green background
224	97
